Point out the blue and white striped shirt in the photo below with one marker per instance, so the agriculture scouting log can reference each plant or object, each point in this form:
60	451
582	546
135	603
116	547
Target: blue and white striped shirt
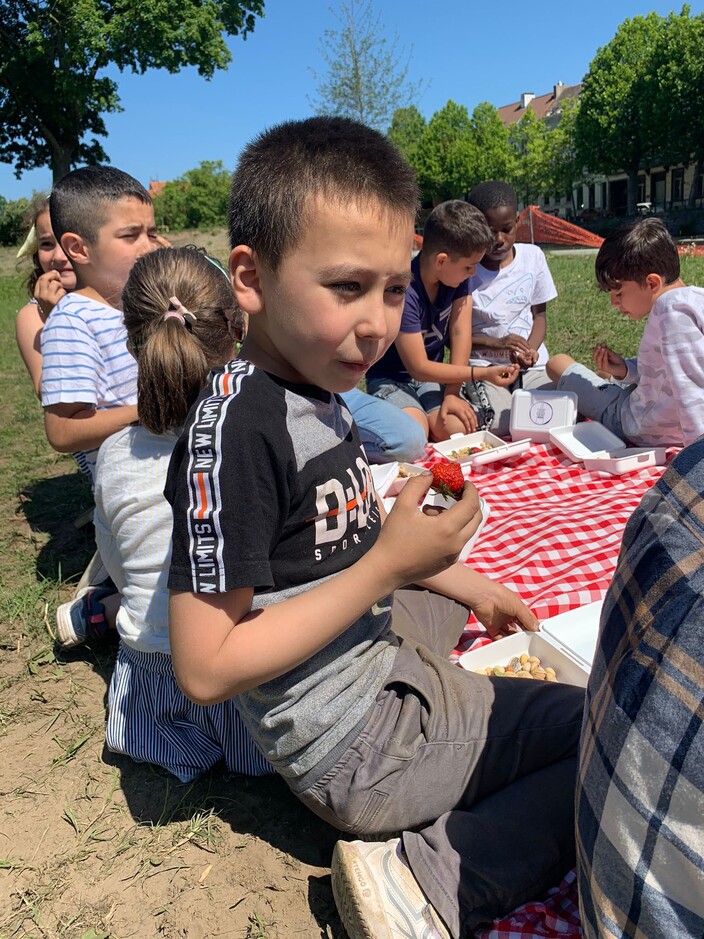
85	360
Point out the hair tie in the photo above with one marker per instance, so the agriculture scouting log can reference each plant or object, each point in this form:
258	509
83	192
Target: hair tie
179	311
30	245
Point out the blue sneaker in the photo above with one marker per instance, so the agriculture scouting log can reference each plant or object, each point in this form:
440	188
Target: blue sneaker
83	617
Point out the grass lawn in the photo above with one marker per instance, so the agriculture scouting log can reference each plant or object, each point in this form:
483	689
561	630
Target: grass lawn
96	846
45	489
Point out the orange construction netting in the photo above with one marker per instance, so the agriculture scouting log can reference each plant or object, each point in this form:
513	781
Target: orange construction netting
538	227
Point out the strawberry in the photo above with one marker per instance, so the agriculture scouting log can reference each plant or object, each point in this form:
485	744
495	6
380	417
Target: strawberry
447	479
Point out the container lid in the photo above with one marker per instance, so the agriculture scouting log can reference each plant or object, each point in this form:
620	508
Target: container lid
576	632
585	440
627	460
539	410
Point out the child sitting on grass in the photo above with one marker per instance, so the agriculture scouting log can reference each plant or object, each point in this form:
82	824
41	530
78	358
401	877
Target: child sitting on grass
52	277
181	320
104	220
437	314
282	576
658	397
510	290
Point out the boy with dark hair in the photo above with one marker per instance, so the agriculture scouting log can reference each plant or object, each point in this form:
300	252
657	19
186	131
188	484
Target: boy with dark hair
510	290
104	220
657	398
282	575
437	314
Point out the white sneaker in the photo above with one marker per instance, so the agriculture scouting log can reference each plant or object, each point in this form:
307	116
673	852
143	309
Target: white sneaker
377	895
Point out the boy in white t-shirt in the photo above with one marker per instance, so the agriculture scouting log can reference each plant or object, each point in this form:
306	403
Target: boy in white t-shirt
510	291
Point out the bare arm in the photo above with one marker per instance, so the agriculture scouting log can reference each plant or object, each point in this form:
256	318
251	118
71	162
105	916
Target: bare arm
239	649
28	327
498	609
73	427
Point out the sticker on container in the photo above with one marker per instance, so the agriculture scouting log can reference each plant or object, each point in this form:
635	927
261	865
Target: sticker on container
541	412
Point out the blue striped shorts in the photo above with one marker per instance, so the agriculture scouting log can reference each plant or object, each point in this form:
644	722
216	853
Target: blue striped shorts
152	721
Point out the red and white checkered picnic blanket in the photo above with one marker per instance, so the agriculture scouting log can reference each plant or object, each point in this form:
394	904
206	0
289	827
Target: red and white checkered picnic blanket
554	529
553	535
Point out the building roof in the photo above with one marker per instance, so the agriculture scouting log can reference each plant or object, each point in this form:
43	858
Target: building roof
543	106
156	187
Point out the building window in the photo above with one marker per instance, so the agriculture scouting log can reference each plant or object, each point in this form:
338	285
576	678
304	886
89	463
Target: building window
698	183
641	189
677	185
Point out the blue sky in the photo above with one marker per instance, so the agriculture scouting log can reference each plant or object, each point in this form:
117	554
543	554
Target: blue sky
466	51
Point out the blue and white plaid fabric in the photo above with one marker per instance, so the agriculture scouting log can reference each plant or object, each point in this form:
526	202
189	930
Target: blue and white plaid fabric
640	797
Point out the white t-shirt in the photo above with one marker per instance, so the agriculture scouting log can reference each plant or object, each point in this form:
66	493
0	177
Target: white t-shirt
667	405
133	532
85	360
502	301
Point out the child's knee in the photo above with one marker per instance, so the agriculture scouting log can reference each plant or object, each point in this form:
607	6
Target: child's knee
557	364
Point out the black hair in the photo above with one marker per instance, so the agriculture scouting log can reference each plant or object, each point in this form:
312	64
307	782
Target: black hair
79	200
635	250
493	194
280	173
457	229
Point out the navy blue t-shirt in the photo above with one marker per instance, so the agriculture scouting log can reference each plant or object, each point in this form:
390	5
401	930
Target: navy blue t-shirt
421	316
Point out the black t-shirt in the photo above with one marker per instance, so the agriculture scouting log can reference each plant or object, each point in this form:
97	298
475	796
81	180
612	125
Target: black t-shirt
271	490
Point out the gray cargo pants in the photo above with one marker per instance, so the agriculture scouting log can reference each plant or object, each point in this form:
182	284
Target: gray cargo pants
478	773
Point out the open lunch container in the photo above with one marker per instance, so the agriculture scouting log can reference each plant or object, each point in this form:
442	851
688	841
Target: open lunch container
495	448
600	449
566	642
551	417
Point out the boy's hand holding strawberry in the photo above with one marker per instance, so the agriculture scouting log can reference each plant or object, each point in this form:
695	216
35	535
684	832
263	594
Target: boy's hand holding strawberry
414	546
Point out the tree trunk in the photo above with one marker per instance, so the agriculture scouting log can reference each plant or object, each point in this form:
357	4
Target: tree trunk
61	160
632	191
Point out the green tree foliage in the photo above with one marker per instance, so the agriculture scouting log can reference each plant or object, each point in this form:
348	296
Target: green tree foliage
677	65
53	54
528	139
366	76
407	127
492	158
444	154
564	168
13	220
198	199
614	128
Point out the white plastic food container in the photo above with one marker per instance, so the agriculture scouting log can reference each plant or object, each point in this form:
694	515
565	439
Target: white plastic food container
445	502
398	482
585	440
500	449
566	642
535	413
627	460
383	475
